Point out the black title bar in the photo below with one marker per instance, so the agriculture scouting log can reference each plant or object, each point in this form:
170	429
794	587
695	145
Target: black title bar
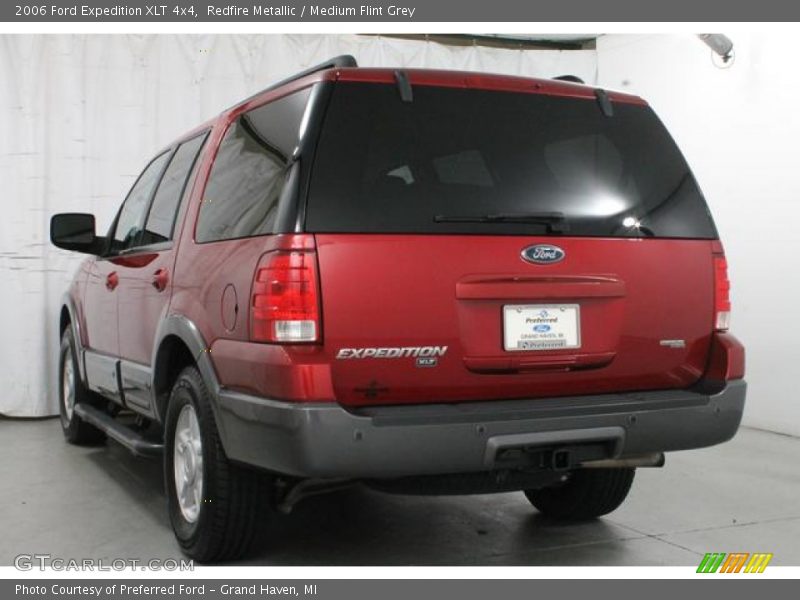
189	11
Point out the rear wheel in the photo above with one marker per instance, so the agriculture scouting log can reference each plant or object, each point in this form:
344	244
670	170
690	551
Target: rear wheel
587	493
219	510
71	393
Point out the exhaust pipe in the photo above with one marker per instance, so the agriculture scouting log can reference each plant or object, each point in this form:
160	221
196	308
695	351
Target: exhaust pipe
656	459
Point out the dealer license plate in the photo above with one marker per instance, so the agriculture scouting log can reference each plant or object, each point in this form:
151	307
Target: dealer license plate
541	326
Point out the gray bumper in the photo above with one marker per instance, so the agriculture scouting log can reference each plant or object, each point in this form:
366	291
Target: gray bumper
326	440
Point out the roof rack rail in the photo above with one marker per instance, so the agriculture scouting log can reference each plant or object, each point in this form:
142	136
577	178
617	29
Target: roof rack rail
337	62
569	78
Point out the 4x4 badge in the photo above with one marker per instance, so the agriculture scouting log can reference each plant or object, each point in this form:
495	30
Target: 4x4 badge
543	254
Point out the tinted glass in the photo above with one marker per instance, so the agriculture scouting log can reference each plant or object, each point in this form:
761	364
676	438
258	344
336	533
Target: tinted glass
161	219
241	197
454	156
131	216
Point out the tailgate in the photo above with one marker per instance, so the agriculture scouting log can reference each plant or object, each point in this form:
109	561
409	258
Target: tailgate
410	318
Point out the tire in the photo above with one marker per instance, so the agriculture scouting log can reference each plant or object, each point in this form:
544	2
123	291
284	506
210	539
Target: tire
587	494
73	392
224	515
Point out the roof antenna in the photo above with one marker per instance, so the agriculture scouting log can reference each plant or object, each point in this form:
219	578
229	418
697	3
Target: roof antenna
569	78
403	86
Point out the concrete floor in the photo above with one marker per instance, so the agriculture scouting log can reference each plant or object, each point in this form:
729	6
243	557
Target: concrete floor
101	502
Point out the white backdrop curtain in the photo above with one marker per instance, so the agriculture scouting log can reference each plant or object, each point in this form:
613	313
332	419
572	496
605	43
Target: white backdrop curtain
80	115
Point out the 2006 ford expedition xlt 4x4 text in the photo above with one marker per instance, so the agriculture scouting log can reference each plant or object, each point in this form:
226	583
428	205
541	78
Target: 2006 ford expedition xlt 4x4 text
421	281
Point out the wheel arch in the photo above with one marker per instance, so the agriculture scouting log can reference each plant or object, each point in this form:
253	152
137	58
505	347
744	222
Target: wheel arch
68	317
172	356
64	321
179	344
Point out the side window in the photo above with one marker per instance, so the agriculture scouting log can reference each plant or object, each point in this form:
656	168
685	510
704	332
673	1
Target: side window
247	178
164	209
131	216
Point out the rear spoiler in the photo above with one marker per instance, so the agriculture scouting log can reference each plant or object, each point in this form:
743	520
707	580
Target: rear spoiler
337	62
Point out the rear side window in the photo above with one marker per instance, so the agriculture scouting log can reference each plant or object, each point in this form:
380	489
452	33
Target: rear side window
495	162
161	220
132	214
245	183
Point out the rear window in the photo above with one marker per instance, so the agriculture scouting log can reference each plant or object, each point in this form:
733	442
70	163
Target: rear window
494	162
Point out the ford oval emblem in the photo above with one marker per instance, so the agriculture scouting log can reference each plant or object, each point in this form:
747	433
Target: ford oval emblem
543	254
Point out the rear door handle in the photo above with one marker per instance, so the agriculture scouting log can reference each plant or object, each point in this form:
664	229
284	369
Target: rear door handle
112	281
160	279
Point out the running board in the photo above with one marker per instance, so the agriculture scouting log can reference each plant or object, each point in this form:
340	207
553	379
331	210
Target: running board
126	436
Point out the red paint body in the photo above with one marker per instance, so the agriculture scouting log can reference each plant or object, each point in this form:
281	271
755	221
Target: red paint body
420	290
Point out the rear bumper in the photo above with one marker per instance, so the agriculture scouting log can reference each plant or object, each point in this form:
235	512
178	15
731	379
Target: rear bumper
326	440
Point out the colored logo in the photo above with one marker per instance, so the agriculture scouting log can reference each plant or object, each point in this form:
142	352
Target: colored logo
543	254
541	328
736	562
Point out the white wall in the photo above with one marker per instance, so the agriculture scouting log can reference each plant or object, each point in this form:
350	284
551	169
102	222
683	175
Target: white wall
80	115
740	131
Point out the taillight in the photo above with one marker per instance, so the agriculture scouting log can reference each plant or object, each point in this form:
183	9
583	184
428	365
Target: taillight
722	294
285	302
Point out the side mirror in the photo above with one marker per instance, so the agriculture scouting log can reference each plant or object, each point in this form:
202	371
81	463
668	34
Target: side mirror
75	231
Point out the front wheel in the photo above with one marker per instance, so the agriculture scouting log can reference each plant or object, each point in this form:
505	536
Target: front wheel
586	494
72	392
218	510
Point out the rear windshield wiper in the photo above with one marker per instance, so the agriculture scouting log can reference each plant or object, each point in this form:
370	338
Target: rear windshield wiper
555	221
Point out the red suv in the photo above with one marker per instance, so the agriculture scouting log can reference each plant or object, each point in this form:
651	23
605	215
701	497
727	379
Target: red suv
421	281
